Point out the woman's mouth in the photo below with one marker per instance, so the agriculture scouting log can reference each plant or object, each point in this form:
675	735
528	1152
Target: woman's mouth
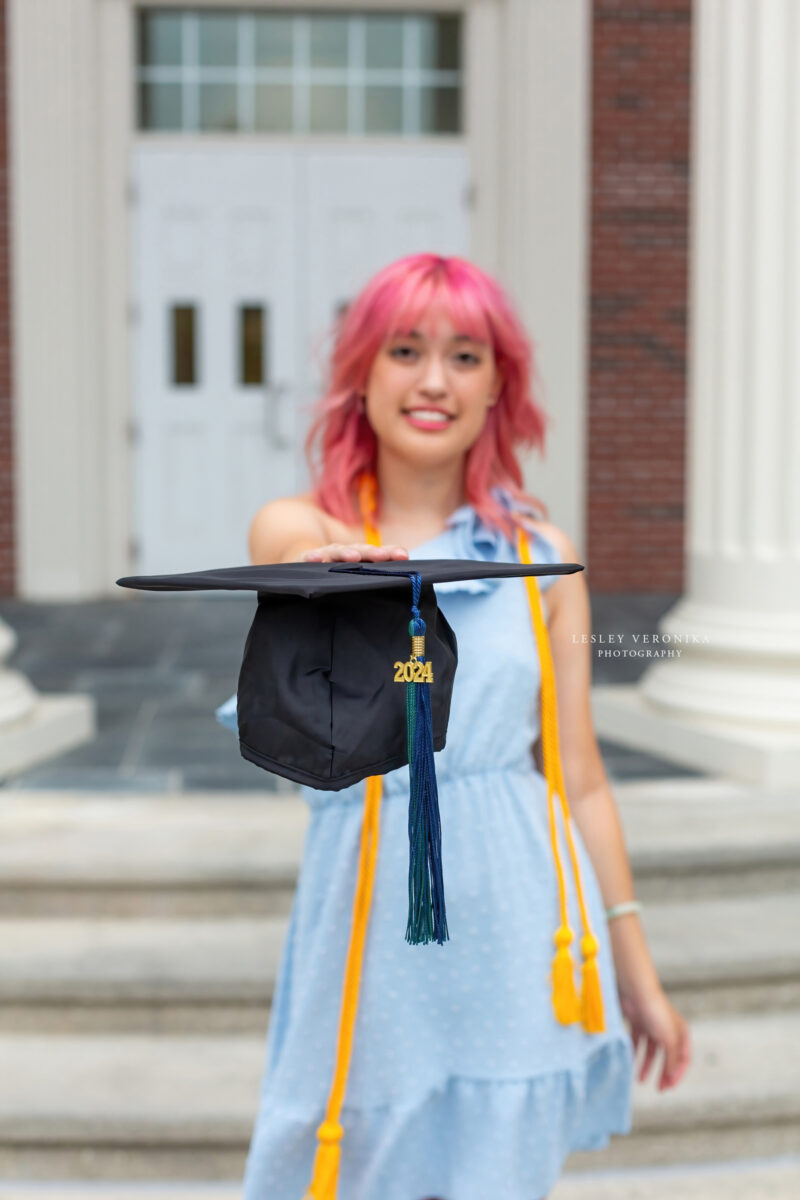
427	418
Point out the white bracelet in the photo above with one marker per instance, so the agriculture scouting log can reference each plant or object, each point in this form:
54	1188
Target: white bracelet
625	907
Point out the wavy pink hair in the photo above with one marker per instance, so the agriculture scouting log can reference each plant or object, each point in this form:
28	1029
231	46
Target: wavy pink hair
391	304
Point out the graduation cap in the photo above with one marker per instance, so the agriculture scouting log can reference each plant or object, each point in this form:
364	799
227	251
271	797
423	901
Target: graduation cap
318	700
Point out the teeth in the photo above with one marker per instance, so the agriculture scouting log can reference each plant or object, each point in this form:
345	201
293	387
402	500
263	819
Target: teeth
424	415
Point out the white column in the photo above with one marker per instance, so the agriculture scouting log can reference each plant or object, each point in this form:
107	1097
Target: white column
70	92
59	410
731	702
34	727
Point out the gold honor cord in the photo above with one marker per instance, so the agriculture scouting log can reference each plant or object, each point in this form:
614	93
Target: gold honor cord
566	1005
568	1008
330	1133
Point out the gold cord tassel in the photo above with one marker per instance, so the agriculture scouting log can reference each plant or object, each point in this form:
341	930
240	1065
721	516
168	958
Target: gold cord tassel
326	1164
567	1007
330	1133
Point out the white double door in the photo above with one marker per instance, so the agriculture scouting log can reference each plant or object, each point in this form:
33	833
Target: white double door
242	255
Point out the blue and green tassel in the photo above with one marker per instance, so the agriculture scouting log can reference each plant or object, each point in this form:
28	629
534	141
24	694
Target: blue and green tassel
427	919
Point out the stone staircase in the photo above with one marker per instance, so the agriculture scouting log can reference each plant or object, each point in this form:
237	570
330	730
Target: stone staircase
139	938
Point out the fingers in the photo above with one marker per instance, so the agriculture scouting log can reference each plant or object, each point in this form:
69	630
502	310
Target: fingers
353	552
677	1057
676	1047
647	1061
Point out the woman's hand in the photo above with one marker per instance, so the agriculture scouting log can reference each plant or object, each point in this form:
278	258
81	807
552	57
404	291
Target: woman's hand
352	552
658	1024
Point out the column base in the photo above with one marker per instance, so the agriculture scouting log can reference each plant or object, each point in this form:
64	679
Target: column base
53	724
723	747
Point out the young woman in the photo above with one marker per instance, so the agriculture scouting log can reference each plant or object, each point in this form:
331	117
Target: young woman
468	1069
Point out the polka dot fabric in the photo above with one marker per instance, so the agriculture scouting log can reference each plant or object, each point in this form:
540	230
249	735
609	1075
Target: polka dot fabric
462	1084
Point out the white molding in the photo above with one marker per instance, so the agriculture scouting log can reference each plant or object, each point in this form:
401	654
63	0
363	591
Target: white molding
116	54
411	6
546	158
527	128
483	77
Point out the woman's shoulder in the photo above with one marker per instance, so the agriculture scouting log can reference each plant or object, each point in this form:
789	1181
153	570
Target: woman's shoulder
559	538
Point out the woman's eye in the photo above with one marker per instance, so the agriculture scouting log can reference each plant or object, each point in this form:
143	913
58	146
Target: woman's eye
464	356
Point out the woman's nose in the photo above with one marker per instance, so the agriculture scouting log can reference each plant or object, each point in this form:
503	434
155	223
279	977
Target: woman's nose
433	379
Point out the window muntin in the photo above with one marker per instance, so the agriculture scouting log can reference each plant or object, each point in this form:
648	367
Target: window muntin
382	74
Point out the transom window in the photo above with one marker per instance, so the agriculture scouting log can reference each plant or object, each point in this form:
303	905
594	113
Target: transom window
287	72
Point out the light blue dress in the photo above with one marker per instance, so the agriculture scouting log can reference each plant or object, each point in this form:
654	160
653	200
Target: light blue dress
462	1085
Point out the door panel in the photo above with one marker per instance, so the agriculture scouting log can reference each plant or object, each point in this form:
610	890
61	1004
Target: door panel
241	257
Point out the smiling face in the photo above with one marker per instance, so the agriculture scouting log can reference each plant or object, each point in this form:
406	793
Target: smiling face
429	391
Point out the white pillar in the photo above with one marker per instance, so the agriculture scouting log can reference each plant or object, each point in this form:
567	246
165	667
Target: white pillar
730	703
58	400
70	93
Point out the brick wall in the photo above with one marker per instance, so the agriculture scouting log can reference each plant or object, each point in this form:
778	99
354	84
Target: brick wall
7	532
637	369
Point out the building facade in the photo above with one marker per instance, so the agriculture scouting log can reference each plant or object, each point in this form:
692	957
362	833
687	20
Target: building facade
192	190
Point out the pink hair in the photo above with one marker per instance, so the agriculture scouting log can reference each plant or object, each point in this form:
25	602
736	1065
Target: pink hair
391	303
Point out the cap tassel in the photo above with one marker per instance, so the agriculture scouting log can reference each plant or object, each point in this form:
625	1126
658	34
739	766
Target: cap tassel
427	918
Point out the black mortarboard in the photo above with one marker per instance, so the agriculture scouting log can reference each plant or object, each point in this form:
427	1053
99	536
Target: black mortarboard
316	698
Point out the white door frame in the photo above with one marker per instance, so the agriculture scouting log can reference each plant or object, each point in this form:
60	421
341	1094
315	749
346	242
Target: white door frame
527	71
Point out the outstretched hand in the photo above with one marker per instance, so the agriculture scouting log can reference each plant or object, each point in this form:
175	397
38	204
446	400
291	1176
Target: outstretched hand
657	1024
352	552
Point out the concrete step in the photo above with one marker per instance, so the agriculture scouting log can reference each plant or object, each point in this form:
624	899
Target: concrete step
217	853
763	1179
727	955
698	838
148	855
182	1108
154	975
198	975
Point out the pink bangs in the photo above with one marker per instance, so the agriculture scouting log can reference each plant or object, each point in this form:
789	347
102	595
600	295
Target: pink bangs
340	445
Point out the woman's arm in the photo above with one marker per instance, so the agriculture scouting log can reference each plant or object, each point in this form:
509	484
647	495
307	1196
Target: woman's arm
292	529
282	529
